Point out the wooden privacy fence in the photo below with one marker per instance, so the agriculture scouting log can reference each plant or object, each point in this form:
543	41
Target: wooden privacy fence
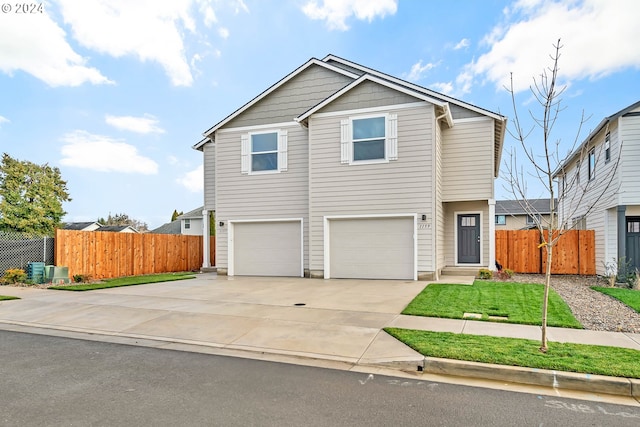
574	253
102	254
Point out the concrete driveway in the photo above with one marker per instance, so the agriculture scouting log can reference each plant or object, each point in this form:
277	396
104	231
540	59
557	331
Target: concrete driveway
331	320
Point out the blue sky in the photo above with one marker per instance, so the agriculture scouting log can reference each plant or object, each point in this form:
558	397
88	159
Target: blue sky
116	92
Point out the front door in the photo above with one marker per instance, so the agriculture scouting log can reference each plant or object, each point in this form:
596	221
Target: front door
633	241
469	239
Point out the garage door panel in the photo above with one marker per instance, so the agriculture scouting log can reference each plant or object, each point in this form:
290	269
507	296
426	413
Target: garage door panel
267	248
372	248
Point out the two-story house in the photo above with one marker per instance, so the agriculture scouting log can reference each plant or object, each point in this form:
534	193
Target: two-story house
341	171
601	180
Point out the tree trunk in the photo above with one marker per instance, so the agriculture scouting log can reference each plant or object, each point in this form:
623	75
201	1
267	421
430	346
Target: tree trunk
545	302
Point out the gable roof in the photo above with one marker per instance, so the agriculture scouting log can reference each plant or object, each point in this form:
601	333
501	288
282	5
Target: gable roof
312	61
367	77
604	123
116	228
513	207
360	73
193	214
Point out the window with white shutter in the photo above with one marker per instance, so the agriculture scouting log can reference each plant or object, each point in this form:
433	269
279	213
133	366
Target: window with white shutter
264	152
369	139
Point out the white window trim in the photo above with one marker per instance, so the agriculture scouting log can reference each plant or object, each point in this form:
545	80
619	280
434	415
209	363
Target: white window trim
390	139
247	152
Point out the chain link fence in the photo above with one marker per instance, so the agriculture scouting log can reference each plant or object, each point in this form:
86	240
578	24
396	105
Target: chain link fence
18	250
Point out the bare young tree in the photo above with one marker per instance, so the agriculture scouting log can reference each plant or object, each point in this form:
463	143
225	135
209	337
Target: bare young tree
546	163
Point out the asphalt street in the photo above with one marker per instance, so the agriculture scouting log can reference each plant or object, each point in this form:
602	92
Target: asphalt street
53	381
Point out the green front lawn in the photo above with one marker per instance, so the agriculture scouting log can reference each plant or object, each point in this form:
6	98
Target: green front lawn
510	302
628	296
7	297
126	281
588	359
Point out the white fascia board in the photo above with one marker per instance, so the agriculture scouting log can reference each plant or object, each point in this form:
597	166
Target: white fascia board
414	86
312	61
198	146
361	79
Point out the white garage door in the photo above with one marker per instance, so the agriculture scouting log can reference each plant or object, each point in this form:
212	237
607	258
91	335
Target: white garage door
267	248
373	248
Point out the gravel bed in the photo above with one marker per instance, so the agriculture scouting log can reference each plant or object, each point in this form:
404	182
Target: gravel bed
596	311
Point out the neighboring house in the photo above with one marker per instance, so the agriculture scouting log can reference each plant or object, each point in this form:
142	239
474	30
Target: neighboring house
190	223
117	228
611	151
82	226
341	171
510	214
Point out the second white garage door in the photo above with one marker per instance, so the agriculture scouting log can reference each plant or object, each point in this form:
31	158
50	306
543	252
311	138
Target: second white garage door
372	248
272	248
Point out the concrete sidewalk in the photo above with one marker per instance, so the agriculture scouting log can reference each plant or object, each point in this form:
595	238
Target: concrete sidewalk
329	321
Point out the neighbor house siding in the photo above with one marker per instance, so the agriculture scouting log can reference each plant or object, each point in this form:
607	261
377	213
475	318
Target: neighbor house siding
209	166
260	196
467	150
294	97
402	186
630	171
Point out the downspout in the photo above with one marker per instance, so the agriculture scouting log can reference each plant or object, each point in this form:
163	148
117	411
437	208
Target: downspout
434	211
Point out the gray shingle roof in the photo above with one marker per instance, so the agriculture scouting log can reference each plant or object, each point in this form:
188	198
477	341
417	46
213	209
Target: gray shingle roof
512	207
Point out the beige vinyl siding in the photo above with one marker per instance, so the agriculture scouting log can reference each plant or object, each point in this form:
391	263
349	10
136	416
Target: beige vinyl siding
458	112
611	237
450	211
366	95
519	222
402	186
209	164
630	171
296	96
240	196
467	156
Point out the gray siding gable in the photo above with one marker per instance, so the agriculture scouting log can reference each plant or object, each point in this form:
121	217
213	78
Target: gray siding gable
297	95
367	95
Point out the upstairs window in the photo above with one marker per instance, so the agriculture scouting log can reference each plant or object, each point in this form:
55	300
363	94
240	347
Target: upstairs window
578	172
264	152
369	139
592	164
607	147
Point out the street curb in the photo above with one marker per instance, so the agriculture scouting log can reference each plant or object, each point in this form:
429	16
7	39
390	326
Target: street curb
542	377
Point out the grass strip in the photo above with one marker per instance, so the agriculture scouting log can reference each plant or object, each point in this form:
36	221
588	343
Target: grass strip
628	296
7	298
126	281
587	359
517	302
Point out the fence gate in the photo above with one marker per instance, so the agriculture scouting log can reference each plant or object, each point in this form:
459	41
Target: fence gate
18	250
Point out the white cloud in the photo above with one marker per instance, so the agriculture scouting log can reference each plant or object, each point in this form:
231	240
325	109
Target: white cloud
443	87
461	44
35	44
417	70
599	37
194	180
335	12
223	32
150	30
103	154
145	124
4	120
